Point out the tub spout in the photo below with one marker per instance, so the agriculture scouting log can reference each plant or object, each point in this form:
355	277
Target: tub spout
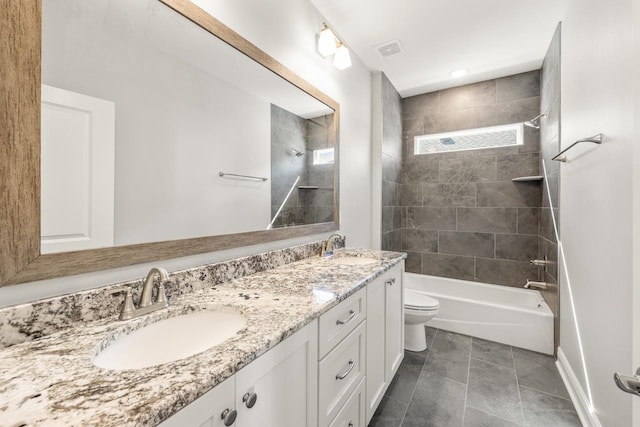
539	262
535	285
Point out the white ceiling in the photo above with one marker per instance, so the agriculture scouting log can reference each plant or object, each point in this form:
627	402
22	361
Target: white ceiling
490	38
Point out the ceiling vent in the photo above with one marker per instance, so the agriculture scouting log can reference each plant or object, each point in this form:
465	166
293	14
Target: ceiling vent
390	48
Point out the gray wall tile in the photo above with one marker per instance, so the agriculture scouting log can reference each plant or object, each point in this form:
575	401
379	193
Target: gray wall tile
455	194
471	95
468	170
391	168
455	267
516	111
504	272
419	240
464	243
420	172
413	263
410	195
508	194
519	247
518	86
514	166
494	220
528	219
418	105
430	218
389	193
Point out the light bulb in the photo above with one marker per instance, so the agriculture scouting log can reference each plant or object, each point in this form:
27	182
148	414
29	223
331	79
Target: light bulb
326	42
342	59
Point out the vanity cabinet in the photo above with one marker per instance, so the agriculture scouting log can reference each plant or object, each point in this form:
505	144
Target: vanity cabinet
385	334
279	388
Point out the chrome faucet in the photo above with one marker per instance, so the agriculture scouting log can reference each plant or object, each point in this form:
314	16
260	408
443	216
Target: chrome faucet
129	310
327	246
535	285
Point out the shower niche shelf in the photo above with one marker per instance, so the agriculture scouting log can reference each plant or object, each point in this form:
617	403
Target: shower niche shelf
532	178
307	187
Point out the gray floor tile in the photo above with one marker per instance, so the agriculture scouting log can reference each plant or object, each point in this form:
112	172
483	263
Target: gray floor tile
437	402
475	418
494	389
449	356
389	414
539	372
403	384
493	352
542	410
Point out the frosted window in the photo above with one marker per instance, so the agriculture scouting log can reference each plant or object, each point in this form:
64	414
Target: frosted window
471	139
323	157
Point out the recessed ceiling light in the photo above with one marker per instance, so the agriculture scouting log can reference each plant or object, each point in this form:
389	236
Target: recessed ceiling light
458	73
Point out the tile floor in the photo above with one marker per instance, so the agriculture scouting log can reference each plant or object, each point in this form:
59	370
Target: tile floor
463	381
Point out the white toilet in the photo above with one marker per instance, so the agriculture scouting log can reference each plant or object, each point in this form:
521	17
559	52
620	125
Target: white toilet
418	310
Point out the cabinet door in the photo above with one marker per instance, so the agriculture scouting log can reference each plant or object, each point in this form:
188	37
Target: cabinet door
285	383
207	409
394	320
376	372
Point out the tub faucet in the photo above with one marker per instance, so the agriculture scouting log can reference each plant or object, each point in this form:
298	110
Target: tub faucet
129	310
535	285
327	246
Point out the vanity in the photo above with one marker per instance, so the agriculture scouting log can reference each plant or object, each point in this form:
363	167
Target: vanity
322	341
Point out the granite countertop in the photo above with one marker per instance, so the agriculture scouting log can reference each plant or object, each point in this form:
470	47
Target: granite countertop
52	381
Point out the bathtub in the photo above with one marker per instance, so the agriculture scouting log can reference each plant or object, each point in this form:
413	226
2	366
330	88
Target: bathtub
513	316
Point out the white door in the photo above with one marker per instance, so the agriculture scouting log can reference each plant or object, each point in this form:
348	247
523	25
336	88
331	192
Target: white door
77	171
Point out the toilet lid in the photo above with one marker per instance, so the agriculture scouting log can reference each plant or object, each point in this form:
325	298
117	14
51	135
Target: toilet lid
418	301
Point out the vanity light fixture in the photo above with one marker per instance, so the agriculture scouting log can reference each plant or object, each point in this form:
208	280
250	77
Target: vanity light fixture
329	44
326	42
458	73
342	59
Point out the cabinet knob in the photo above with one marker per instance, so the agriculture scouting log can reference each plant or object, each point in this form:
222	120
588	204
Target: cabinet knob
228	416
391	281
250	399
350	424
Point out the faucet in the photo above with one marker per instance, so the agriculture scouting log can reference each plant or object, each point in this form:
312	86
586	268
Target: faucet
535	285
327	246
129	310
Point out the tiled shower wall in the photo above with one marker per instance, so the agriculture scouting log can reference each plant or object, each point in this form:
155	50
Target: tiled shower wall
305	206
462	215
549	147
391	166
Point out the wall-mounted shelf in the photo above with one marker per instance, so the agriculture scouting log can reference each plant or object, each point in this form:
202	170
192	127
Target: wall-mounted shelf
307	187
528	178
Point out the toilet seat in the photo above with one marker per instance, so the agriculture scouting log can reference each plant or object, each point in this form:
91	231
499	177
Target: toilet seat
420	302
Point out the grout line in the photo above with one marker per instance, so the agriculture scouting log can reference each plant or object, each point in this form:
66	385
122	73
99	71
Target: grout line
422	369
513	357
466	392
544	392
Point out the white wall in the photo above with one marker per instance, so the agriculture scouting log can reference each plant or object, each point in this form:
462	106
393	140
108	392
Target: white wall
286	29
597	217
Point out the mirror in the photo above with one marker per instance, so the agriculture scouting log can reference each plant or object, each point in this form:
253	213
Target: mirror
166	134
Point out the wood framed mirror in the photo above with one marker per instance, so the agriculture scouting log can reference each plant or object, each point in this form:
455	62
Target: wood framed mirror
22	258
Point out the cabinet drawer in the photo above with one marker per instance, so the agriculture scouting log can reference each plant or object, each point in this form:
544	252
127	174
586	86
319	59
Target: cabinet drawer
353	412
340	373
338	322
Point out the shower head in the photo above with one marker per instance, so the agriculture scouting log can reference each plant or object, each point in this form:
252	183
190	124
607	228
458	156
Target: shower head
535	122
295	152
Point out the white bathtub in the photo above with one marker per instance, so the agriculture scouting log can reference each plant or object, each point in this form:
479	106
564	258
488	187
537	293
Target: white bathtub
513	316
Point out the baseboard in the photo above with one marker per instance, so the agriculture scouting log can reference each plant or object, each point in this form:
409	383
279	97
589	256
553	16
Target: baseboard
576	392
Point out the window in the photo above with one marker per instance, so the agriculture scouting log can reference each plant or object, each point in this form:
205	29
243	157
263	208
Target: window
471	139
323	157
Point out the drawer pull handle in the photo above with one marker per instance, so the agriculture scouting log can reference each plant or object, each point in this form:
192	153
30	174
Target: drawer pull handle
345	373
350	424
250	399
228	417
342	322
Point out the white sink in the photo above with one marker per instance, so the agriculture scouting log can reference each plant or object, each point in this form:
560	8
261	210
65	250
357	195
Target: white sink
353	260
170	339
